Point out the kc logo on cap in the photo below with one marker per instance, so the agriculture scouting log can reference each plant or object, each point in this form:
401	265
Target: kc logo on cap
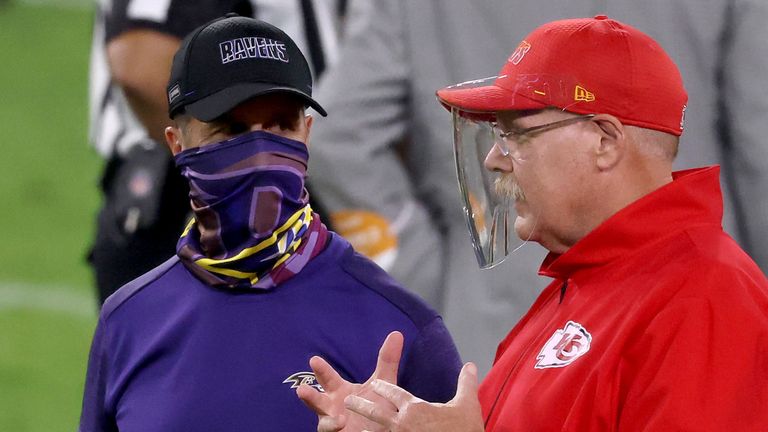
520	52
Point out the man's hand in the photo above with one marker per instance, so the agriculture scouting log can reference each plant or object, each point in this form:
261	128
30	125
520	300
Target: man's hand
400	411
329	406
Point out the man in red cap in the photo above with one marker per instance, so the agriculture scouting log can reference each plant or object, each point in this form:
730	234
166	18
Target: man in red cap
656	320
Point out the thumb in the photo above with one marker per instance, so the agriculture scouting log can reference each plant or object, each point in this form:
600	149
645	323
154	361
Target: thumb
466	389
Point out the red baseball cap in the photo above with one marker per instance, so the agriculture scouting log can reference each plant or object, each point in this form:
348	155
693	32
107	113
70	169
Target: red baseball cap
585	66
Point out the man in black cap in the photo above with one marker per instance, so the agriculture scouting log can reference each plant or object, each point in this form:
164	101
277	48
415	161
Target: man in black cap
217	337
143	206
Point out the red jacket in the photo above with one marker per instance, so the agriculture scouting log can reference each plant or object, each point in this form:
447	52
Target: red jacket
656	321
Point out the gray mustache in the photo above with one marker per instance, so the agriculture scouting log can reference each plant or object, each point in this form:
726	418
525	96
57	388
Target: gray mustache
506	186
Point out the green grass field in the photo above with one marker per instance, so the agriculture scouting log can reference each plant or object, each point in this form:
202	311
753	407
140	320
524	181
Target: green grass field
48	187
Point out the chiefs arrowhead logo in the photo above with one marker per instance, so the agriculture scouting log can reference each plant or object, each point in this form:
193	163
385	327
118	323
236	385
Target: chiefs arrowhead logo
564	347
300	378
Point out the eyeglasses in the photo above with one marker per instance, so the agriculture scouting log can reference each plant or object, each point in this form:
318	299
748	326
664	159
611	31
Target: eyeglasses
510	141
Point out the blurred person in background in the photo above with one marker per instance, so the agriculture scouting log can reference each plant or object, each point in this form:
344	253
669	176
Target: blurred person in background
217	337
144	201
386	175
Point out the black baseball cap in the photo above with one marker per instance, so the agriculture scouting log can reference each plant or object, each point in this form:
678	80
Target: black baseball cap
231	59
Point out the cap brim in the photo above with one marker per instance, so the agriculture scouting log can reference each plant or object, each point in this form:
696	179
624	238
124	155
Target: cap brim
221	102
485	99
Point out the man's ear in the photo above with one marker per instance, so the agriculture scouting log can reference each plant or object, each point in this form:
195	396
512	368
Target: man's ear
613	145
308	122
173	139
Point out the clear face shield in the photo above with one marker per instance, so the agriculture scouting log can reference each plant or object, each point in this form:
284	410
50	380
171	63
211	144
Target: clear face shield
489	197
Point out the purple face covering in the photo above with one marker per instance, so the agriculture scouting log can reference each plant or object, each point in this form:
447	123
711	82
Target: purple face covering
253	226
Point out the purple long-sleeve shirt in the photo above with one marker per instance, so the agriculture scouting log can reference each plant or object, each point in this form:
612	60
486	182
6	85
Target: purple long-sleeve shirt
173	354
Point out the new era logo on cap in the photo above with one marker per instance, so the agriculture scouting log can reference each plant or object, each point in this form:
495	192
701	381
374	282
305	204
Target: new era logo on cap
582	94
174	93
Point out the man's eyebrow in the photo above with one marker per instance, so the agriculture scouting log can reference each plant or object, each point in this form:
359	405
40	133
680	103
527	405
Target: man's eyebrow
509	125
514	125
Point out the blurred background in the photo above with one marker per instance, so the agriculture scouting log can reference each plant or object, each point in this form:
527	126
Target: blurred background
48	177
49	174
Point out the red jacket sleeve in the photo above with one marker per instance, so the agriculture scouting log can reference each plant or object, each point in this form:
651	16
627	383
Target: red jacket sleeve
702	363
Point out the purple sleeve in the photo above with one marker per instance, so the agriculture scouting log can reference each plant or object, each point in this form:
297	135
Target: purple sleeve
432	364
94	416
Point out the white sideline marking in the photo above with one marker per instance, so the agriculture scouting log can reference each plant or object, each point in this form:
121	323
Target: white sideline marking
63	4
47	298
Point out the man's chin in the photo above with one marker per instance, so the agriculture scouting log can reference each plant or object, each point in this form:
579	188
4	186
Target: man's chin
524	226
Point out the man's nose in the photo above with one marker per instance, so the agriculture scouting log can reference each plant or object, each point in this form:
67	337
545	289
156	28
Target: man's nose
496	161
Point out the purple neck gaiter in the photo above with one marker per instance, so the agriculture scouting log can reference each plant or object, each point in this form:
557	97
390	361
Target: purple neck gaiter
252	221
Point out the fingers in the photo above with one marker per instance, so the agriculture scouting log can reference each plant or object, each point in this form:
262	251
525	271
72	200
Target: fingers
318	402
394	394
370	410
321	404
389	358
467	385
325	374
330	424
